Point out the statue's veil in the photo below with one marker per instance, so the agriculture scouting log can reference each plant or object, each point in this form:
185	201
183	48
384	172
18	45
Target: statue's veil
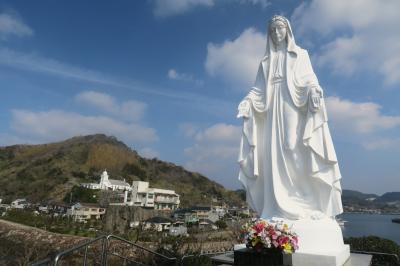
291	43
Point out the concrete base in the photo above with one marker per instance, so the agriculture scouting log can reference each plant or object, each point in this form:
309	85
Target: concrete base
328	259
355	260
320	243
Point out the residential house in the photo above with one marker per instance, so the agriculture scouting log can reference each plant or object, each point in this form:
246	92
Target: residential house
158	223
155	198
196	214
178	229
82	212
19	204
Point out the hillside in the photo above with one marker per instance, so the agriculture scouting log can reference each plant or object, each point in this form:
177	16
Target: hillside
49	171
389	197
353	196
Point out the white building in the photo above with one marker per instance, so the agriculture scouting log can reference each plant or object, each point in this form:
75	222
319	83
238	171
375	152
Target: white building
19	204
82	212
159	199
108	184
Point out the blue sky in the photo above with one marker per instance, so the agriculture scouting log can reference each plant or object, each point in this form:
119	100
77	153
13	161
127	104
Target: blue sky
165	77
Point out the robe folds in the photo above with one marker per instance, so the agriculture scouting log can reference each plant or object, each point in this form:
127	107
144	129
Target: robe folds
290	174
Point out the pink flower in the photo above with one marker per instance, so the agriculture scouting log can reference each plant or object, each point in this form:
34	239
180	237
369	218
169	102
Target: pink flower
258	227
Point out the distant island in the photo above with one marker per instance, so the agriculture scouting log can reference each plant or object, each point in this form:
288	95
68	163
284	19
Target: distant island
355	201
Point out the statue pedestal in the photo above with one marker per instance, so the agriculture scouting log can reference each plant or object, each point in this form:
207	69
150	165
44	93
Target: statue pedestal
320	243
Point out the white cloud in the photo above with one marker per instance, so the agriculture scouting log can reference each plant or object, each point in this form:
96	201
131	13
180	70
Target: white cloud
165	8
130	110
11	24
214	152
219	133
149	153
358	118
173	74
371	41
236	61
362	123
57	125
97	99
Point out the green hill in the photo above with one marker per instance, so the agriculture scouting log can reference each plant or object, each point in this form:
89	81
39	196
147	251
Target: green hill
49	171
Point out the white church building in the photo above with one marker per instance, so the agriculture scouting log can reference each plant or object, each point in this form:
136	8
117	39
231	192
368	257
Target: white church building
108	184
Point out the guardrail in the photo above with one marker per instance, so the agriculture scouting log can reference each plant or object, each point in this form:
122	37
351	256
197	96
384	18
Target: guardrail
160	259
105	242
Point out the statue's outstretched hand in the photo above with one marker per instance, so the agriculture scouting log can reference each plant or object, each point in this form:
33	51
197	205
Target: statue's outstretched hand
244	109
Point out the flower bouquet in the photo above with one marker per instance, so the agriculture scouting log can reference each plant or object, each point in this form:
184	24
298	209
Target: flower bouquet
266	243
262	234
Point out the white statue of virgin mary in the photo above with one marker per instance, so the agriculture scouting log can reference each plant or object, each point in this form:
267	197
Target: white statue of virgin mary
288	164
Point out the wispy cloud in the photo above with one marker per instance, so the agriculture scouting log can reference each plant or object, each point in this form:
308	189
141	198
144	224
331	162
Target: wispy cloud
262	3
168	8
165	8
12	25
37	63
48	66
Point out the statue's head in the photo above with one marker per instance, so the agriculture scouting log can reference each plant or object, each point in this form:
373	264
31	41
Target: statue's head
278	28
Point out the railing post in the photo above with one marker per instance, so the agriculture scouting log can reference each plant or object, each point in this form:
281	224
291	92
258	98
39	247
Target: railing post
104	251
85	257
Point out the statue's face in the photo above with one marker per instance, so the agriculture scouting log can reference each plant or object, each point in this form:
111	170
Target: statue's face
278	32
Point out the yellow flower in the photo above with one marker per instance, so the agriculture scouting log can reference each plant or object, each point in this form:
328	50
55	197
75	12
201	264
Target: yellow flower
287	248
254	241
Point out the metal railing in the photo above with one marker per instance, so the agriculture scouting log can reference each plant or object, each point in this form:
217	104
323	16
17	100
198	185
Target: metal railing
105	242
185	260
387	257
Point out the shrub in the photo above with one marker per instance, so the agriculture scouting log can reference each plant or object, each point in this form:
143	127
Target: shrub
221	224
376	244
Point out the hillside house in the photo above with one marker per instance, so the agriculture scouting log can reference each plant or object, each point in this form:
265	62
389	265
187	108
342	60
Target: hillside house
178	229
82	212
196	214
158	223
108	184
19	204
155	198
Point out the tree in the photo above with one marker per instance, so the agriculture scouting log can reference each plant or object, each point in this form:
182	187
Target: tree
221	224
